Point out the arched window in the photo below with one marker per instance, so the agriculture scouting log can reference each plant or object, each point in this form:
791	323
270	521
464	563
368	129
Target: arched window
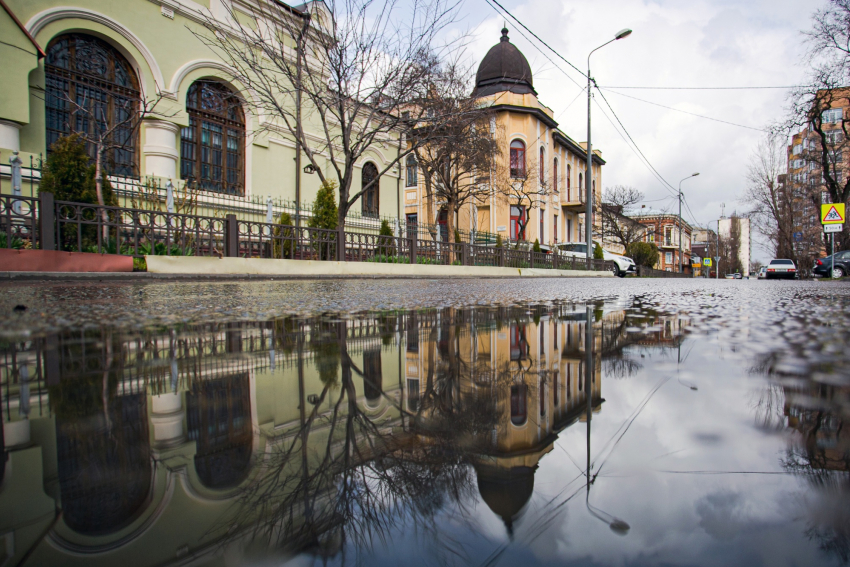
89	85
519	404
569	180
542	166
580	182
218	414
555	175
517	158
369	199
212	146
373	386
411	171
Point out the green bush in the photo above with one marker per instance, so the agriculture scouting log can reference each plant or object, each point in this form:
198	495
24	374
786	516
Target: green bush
282	244
457	237
381	258
385	239
536	247
597	252
643	253
498	241
69	175
324	216
17	243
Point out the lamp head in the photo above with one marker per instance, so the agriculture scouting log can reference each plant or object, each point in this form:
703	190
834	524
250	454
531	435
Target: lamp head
695	174
623	33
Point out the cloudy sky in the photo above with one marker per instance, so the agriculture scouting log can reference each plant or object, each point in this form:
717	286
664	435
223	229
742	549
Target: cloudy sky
698	43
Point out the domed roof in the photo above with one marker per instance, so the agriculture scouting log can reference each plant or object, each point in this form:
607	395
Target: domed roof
506	492
504	68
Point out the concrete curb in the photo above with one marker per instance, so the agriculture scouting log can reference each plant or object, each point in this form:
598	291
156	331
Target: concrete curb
205	266
199	269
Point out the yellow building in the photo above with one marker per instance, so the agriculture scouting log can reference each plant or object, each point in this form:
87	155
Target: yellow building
532	140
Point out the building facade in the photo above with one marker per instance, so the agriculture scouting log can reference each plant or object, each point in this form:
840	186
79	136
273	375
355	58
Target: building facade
204	132
662	229
736	231
531	139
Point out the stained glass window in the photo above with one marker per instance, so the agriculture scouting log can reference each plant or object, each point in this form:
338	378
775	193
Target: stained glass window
211	146
90	87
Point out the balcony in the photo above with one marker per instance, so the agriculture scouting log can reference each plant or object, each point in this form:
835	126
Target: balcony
573	200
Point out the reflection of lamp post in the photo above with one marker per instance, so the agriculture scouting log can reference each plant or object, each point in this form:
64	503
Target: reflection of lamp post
618	526
687	384
588	174
588	368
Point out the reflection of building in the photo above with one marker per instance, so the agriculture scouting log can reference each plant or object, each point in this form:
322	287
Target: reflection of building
736	230
145	442
142	448
817	412
530	372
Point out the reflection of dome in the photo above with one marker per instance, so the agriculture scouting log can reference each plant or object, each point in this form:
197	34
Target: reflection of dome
506	491
504	68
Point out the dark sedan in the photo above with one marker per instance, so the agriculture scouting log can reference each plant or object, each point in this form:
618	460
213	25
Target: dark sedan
836	266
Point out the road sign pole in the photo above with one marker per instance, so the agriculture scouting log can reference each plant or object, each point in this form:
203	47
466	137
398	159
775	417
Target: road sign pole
832	257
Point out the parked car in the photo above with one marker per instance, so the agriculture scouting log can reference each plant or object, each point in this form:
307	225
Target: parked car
836	266
735	276
763	272
623	265
781	269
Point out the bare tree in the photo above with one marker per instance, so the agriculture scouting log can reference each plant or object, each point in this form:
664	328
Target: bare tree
618	202
770	199
109	128
459	155
520	184
818	109
358	64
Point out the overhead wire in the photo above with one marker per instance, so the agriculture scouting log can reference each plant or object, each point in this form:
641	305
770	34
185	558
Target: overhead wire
684	111
514	18
709	88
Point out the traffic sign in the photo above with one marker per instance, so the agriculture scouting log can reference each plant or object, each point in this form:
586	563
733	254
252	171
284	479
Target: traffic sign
827	228
706	261
832	213
798	236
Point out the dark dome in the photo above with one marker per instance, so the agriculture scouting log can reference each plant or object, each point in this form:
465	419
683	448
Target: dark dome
504	68
506	492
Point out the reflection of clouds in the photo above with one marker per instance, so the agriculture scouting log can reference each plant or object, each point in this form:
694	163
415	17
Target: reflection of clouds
722	514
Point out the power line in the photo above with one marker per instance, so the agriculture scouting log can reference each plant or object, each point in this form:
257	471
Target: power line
684	111
708	88
608	104
561	57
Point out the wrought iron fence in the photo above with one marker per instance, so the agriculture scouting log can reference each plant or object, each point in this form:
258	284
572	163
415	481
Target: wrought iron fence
43	223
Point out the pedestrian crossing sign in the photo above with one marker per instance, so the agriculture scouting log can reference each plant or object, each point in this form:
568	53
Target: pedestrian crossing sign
706	261
832	213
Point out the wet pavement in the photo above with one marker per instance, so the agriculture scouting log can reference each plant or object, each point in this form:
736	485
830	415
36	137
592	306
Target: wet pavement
493	422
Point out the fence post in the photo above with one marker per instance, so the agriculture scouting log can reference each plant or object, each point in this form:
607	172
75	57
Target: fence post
531	258
413	243
47	221
340	244
231	236
502	257
464	254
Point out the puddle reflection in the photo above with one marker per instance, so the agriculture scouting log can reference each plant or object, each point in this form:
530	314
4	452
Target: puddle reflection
335	438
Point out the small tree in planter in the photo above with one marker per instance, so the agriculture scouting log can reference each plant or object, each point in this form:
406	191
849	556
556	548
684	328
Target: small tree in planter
70	176
597	252
385	240
325	217
283	244
536	247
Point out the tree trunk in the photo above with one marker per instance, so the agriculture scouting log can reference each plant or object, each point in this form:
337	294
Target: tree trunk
450	229
98	184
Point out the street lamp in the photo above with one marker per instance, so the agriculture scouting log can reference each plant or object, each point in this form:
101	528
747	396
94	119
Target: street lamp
680	218
588	175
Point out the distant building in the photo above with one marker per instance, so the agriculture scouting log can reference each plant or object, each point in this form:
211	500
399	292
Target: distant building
662	228
737	231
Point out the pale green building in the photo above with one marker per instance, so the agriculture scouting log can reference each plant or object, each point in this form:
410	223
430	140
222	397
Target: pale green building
54	53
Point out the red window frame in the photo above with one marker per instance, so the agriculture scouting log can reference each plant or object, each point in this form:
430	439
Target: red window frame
517	159
516	219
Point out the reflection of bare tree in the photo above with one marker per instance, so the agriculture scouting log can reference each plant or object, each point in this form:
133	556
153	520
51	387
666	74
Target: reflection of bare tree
345	478
617	368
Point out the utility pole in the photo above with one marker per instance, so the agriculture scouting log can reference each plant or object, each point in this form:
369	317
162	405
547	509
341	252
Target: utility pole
680	219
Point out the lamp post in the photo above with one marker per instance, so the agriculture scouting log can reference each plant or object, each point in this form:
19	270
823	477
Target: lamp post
680	218
588	174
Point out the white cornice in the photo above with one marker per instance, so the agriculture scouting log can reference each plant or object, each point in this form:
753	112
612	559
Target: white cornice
43	19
